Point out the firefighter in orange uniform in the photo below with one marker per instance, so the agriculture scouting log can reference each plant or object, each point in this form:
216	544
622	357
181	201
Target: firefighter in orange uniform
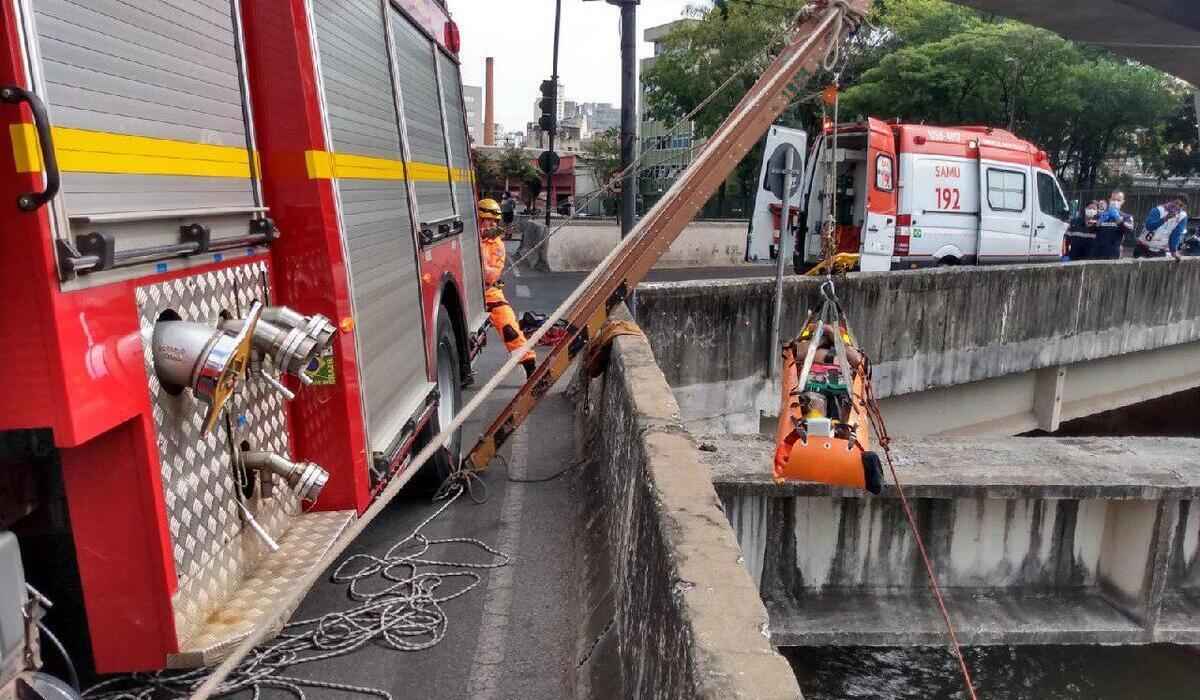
492	252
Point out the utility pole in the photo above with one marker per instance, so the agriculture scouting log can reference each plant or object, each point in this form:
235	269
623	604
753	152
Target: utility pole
550	163
629	88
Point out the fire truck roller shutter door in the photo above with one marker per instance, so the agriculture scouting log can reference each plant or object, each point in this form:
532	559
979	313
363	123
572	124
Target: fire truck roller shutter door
377	229
464	188
148	109
417	74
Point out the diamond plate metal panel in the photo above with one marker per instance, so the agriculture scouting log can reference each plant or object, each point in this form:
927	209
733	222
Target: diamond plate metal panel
213	548
276	576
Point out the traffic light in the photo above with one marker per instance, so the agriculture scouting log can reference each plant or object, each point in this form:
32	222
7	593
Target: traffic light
548	105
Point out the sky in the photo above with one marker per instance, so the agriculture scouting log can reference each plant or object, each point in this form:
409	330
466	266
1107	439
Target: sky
519	34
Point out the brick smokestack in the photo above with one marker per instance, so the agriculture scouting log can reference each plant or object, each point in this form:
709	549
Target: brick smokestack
489	110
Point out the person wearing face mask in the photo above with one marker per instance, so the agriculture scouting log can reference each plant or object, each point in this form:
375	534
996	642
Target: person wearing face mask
1110	229
1082	234
1165	229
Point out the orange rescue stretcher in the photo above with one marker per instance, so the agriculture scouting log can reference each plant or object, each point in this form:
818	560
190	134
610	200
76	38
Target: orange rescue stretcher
824	432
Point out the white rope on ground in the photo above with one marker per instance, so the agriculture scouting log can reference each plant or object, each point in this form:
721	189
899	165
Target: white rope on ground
401	595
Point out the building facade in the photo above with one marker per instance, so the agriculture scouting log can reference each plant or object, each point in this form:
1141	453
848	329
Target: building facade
664	152
473	99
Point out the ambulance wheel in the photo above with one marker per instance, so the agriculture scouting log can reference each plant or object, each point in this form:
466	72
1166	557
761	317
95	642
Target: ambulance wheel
872	472
948	261
449	387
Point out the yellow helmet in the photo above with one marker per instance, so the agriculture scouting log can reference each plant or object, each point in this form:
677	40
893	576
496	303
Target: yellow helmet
488	209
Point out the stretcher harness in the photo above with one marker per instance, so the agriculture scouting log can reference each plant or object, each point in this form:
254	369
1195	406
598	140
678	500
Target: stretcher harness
824	432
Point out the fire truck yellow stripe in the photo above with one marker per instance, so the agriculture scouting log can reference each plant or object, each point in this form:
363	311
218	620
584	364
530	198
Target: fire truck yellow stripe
26	153
323	165
83	151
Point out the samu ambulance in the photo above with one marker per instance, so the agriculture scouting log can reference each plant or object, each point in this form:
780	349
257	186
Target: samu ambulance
914	195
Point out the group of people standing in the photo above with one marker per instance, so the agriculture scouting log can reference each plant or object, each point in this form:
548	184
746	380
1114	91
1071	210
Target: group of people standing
1099	229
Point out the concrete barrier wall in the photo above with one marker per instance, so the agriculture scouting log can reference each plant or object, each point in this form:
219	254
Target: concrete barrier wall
670	611
923	329
582	244
1034	541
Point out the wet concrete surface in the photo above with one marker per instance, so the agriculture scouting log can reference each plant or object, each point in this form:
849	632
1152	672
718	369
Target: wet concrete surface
515	634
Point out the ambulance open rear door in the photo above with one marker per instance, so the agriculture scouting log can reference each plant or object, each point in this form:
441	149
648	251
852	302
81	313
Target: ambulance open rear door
879	225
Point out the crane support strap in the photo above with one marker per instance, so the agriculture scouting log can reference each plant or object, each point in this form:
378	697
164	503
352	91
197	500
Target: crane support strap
596	358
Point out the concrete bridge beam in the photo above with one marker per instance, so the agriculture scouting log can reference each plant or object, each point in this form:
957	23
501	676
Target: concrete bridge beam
1043	399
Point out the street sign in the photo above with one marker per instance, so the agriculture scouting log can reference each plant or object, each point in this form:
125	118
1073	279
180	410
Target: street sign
776	169
548	162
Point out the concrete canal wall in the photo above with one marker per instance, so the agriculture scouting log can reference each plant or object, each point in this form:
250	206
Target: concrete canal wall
1034	540
583	243
974	351
670	610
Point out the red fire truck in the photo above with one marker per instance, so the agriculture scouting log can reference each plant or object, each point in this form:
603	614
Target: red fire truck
241	265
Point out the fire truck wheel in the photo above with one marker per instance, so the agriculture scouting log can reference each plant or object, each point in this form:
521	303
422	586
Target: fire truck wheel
449	369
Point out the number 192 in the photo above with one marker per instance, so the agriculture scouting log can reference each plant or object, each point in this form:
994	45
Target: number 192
949	198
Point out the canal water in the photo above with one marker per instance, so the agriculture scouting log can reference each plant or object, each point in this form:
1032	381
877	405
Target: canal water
1001	673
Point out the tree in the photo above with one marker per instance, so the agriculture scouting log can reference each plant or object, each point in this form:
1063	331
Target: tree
1173	148
515	167
937	62
699	56
603	155
487	173
1081	107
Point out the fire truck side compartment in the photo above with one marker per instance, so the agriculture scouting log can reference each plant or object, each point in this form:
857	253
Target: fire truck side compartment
422	115
464	189
145	127
376	221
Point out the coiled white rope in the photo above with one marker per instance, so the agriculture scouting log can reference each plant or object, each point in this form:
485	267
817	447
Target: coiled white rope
401	595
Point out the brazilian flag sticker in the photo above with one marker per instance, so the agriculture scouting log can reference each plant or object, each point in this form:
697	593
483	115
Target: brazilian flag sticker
321	370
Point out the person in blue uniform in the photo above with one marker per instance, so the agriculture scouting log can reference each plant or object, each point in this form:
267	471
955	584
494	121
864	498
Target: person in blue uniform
1110	229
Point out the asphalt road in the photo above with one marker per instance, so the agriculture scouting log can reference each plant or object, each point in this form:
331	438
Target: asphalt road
514	634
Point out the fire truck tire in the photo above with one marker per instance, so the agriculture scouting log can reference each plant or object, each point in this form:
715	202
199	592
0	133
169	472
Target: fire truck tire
448	372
